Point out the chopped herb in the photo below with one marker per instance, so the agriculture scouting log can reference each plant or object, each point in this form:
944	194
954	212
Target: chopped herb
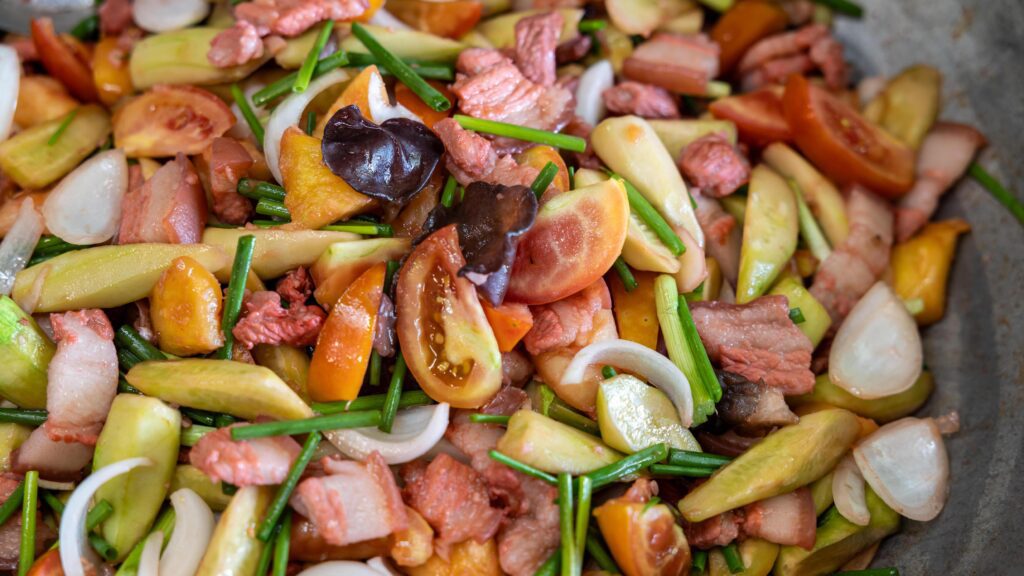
87	29
680	349
247	112
645	211
389	276
406	75
552	565
700	561
625	274
129	339
190	436
553	407
797	316
995	188
544	178
284	491
678	457
521	467
305	74
681	471
373	379
284	85
310	123
12	503
489	419
809	228
30	503
585	487
572	177
20	416
608	372
733	558
235	293
62	127
394	395
448	194
654	501
364	228
102	547
563	141
282	544
361	419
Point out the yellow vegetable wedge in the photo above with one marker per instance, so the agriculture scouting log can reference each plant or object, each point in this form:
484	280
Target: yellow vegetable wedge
909	104
235	388
179	57
11	437
290	363
277	251
31	161
25	354
823	198
188	476
105	276
553	447
770	230
234	548
677	134
816	319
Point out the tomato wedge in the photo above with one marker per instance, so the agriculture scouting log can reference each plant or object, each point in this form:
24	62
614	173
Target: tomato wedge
61	61
742	26
446	340
843	144
170	119
758	116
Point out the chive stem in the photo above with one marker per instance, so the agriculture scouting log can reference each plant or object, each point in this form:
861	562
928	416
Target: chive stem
165	524
489	419
448	194
625	274
372	402
608	372
669	306
425	68
284	492
30	504
248	113
236	292
258	190
552	565
586	490
267	553
521	467
996	188
363	228
563	141
100	512
282	544
682	471
394	395
843	7
130	339
62	127
193	434
389	276
594	25
733	559
565	524
373	380
639	205
700	562
53	502
19	416
697	350
102	547
628	466
405	74
126	359
310	123
273	208
12	503
305	74
87	28
600	554
284	84
544	179
678	457
809	228
345	420
797	315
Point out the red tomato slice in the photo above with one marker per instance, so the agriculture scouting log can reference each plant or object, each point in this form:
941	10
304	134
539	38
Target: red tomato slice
576	238
445	337
758	116
62	62
843	144
171	119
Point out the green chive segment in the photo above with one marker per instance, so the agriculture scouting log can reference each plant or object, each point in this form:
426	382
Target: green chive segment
394	395
625	274
521	467
305	74
284	85
405	74
284	492
361	419
680	350
845	7
62	127
563	141
247	112
733	559
565	524
646	212
544	179
30	503
995	188
236	292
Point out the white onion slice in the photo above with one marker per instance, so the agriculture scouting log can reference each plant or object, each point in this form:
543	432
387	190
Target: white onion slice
289	112
906	464
193	526
85	208
58	486
877	351
848	492
387	20
340	568
149	561
415	432
10	79
381	566
74	550
19	243
656	369
381	108
593	82
166	15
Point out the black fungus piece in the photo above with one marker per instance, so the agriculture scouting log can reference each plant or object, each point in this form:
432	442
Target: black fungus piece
490	220
391	161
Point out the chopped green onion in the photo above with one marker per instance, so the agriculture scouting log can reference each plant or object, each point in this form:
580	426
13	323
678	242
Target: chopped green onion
700	562
283	85
19	416
12	503
364	228
361	419
552	565
235	293
625	274
190	436
608	372
248	113
258	190
572	177
30	503
643	209
995	188
62	127
126	359
592	25
406	75
373	379
373	402
267	553
600	554
678	457
224	420
310	123
124	387
683	471
164	523
284	491
87	29
100	512
733	558
544	178
102	547
553	407
843	7
130	339
668	303
201	416
809	228
797	315
521	467
282	544
565	524
700	354
448	194
394	395
53	502
425	68
871	572
585	488
52	245
563	141
272	208
628	466
312	59
228	489
489	419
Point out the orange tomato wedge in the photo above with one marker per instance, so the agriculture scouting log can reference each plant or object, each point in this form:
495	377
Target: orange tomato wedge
112	78
635	312
406	97
343	349
510	323
743	25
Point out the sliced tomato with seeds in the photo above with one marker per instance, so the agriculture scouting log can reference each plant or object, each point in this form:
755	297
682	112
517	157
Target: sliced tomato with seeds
166	120
445	337
63	61
758	116
843	144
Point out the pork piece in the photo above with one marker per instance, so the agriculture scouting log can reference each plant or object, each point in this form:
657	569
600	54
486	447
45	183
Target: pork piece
355	502
296	287
10	531
787	519
308	545
385	337
567	322
640	99
945	154
532	536
235	46
228	162
752	404
718	530
573	50
170	208
681	64
582	129
773	59
516	368
256	462
757	341
722	235
293	17
82	376
714	165
471	158
57	461
266	322
115	16
854	266
490	86
536	42
453	498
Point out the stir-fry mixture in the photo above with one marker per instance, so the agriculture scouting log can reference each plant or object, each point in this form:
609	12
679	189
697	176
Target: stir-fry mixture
460	287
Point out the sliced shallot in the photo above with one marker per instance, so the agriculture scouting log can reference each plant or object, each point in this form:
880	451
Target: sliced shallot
593	82
10	79
289	112
415	432
193	526
85	208
166	15
149	560
906	464
877	351
340	568
75	552
656	369
18	244
848	492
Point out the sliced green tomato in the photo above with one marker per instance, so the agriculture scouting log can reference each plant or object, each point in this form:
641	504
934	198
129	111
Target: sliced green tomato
234	548
881	409
179	57
821	493
816	319
25	354
408	44
188	476
770	229
235	388
137	426
33	162
553	447
758	557
634	416
277	251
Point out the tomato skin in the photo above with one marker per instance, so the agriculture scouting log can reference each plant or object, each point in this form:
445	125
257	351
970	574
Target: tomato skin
406	97
742	26
758	116
845	146
62	62
439	314
168	119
